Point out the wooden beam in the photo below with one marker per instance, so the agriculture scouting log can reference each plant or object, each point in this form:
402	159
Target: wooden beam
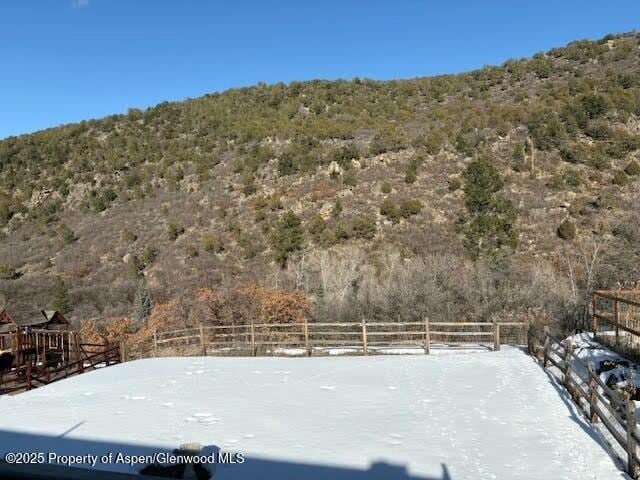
306	337
365	349
427	336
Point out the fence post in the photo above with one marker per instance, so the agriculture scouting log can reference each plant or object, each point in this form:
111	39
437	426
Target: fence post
28	377
155	342
547	345
616	316
365	348
44	350
632	464
567	370
594	320
106	353
427	336
76	346
496	336
306	337
593	398
253	338
80	359
123	353
203	344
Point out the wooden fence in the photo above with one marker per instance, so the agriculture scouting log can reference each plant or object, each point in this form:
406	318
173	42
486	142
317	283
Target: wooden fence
616	320
307	338
616	411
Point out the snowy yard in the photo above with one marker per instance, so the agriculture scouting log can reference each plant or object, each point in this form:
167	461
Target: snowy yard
489	415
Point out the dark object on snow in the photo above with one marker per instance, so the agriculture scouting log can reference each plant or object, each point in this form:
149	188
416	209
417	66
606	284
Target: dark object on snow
6	361
612	381
608	365
635	394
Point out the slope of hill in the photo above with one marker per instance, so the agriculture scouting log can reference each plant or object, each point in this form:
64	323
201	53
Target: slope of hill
354	191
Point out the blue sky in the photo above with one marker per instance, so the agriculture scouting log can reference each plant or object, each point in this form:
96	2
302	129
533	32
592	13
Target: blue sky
66	60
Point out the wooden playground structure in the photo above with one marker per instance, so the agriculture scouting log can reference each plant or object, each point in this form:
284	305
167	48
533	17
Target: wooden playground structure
36	357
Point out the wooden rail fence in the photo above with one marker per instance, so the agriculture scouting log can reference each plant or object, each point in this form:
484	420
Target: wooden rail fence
616	319
306	338
617	412
88	356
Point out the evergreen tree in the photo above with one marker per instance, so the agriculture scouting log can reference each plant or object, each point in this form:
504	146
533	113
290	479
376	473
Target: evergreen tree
141	305
490	224
59	296
287	237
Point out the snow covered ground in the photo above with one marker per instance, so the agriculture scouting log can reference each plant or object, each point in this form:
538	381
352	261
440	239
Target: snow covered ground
590	351
489	415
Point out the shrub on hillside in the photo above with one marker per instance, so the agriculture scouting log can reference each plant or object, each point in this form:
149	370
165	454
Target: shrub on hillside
149	255
316	225
390	210
5	211
567	230
337	209
410	207
344	155
620	178
248	248
67	234
7	272
411	172
410	175
387	140
212	243
595	105
350	178
633	168
364	226
433	143
174	230
191	251
454	184
572	178
128	236
629	231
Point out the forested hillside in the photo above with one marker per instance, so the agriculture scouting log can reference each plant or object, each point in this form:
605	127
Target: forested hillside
511	188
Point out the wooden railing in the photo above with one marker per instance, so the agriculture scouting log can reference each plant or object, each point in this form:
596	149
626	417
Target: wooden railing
620	309
306	338
616	320
32	375
616	411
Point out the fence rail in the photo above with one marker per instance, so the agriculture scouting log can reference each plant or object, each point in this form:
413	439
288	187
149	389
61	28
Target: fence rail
306	338
616	319
600	403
